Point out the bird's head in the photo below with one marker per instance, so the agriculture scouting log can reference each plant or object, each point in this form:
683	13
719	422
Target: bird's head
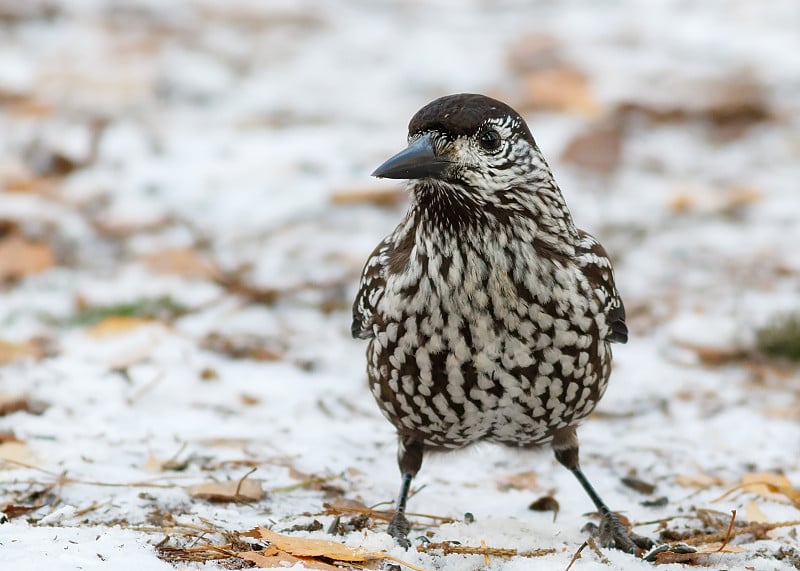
473	145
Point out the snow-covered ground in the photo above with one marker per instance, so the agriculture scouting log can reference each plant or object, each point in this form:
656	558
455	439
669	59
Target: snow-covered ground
186	206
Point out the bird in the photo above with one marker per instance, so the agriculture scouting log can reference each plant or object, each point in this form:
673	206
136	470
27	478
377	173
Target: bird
489	314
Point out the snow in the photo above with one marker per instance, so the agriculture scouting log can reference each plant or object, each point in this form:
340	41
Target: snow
229	127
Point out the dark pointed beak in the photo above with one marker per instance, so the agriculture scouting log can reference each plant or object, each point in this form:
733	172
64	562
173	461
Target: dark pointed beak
417	161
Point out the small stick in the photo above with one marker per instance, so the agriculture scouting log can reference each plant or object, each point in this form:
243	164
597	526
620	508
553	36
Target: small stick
449	548
382	514
576	556
730	531
241	481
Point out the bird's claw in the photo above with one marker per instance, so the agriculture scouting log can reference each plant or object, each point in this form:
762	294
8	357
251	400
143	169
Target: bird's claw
613	534
399	528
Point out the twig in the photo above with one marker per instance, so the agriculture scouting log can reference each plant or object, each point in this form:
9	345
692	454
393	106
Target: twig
64	479
448	548
756	528
576	556
381	514
303	484
730	530
241	481
146	388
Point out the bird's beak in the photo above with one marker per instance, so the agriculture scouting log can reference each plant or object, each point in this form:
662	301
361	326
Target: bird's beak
419	160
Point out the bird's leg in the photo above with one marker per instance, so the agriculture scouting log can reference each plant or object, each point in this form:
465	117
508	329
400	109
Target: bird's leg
409	458
611	532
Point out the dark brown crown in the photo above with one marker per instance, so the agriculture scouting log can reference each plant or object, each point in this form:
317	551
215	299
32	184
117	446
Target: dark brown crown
463	114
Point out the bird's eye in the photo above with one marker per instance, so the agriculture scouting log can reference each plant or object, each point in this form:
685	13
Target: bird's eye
490	140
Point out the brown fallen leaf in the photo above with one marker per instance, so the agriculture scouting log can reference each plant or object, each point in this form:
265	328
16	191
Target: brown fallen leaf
241	491
19	402
728	105
10	352
728	201
8	436
241	347
20	257
306	547
310	547
562	88
520	481
701	481
545	504
639	485
598	150
15	455
13	510
767	485
375	197
116	325
27	184
712	355
182	261
753	512
272	557
249	400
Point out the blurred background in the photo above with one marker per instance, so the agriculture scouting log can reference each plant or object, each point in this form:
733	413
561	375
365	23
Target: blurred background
206	165
232	141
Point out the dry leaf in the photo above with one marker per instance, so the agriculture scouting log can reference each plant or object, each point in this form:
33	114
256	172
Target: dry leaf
184	262
728	105
272	557
228	491
305	547
597	150
19	402
8	436
727	201
753	512
153	464
562	88
545	504
27	184
12	510
701	481
519	481
376	197
12	454
116	325
249	400
10	352
310	547
240	347
639	485
713	355
767	485
20	257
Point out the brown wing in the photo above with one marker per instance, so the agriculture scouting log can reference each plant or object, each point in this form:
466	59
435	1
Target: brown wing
370	291
593	260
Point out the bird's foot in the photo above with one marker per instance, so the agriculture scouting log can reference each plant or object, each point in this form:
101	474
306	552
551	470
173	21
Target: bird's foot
399	528
614	534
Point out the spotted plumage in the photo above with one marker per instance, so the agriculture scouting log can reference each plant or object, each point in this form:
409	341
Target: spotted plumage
489	315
